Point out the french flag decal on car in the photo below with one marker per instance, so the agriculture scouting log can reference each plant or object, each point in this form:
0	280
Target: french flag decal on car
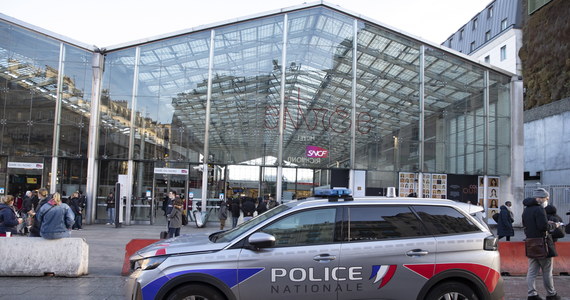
382	274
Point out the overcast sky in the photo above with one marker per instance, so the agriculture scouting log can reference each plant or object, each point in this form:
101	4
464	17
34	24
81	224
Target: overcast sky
111	22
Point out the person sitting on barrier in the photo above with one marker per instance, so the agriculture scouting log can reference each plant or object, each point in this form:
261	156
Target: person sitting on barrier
9	221
56	219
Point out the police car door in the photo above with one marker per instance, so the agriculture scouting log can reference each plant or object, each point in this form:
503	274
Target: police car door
302	264
389	245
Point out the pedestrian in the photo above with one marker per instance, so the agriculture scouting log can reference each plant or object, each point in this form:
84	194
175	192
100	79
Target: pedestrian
9	220
262	206
248	208
536	225
169	205
56	219
551	215
235	210
223	213
75	204
175	218
27	206
111	208
272	203
505	222
42	198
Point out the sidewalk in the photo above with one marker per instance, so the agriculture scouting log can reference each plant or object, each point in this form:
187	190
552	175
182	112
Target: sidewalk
106	255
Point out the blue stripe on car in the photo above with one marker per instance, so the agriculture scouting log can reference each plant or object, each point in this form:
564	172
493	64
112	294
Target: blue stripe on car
231	277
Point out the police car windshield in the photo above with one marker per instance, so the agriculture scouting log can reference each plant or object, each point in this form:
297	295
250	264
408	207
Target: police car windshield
229	235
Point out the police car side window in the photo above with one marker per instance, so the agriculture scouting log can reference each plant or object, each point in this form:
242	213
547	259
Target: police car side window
304	228
372	223
445	220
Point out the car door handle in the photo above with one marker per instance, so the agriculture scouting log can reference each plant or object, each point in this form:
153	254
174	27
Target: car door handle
324	258
417	252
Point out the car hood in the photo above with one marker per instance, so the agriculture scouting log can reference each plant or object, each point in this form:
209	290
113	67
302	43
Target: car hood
182	244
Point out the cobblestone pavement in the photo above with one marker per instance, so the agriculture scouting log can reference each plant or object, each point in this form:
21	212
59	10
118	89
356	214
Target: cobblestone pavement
106	255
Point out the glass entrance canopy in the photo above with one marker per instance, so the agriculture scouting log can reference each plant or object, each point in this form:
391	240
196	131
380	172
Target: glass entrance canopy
312	87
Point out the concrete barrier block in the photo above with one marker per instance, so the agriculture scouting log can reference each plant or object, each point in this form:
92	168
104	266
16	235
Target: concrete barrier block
27	256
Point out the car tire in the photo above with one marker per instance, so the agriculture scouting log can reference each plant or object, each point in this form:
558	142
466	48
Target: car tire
195	292
452	290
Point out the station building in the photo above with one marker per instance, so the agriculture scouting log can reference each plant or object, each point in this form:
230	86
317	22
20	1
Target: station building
280	103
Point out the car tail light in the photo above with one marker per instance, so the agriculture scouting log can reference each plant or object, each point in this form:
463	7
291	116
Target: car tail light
490	243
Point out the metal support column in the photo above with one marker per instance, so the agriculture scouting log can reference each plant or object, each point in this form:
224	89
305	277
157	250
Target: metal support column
97	63
130	163
207	128
57	120
279	179
422	86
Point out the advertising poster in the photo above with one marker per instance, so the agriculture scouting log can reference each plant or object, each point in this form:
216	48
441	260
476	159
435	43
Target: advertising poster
493	192
434	185
463	188
406	184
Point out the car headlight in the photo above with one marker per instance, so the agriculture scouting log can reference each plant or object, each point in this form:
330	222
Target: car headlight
149	263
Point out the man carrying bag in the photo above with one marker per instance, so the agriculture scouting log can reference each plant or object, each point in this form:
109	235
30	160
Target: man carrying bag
538	243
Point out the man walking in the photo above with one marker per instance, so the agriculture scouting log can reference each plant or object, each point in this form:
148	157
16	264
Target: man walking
536	225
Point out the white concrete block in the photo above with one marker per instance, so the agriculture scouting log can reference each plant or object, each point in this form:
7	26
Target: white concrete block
27	256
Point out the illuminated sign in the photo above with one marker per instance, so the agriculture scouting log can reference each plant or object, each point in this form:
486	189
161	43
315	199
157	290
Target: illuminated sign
316	152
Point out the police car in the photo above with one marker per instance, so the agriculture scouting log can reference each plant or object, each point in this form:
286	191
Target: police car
330	248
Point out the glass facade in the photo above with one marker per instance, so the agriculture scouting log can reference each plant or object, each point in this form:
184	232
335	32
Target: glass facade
278	104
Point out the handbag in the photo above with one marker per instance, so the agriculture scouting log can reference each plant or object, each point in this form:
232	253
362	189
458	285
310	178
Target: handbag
536	247
184	219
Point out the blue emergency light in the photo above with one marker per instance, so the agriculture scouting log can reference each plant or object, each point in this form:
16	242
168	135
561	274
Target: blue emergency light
334	194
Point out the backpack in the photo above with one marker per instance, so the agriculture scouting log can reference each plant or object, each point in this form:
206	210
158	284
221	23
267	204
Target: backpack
496	217
558	233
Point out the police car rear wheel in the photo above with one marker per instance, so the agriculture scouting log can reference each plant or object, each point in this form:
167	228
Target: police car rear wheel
195	292
452	291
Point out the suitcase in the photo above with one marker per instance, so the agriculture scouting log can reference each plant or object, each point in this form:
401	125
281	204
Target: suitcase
163	235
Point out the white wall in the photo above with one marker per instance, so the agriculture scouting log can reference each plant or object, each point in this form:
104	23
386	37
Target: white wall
513	40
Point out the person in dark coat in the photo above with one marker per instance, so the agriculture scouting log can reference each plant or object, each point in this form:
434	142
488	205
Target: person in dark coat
248	208
262	206
505	222
9	221
551	215
536	225
43	198
235	210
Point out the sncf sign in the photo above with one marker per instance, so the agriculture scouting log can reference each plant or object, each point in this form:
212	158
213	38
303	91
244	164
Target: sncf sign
316	152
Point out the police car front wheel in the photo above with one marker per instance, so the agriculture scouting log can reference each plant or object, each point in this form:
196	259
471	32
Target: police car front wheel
195	292
452	290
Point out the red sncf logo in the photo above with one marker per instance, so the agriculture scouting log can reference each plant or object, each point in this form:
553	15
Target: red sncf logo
317	152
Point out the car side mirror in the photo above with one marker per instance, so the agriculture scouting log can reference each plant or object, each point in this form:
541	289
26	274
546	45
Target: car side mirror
261	240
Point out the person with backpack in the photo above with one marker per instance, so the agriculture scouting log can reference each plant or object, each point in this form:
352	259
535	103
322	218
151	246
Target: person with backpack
505	222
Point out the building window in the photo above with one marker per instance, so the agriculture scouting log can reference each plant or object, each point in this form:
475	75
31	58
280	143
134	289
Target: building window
461	34
503	24
475	21
488	59
487	36
472	47
450	40
503	53
490	12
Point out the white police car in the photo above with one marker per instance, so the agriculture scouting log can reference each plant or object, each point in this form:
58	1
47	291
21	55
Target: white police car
373	248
